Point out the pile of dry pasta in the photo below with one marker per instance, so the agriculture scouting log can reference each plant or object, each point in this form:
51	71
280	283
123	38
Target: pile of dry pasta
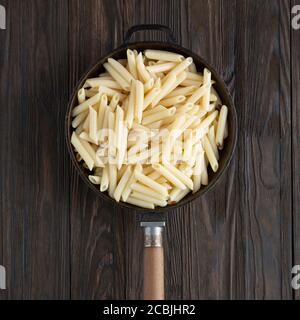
149	127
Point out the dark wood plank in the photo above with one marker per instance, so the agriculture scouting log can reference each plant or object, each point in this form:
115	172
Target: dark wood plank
34	177
263	102
295	63
95	29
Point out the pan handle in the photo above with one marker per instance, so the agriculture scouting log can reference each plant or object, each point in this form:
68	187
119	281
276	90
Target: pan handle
142	27
153	260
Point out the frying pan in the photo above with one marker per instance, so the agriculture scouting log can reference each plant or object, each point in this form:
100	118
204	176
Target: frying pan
153	222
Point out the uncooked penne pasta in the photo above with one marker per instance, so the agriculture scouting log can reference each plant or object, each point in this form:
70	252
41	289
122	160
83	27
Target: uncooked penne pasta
159	116
93	125
221	126
150	183
139	101
140	203
85	105
97	82
104	180
163	55
210	154
142	72
114	102
79	119
137	187
148	85
82	151
170	102
122	184
81	96
157	68
117	77
132	64
131	105
164	90
187	91
121	70
112	174
148	128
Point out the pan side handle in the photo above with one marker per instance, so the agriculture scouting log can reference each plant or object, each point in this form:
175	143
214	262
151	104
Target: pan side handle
149	27
153	261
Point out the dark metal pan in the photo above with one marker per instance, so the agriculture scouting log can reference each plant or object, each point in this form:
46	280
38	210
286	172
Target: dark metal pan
153	221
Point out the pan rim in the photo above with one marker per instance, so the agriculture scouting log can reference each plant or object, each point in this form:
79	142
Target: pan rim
191	197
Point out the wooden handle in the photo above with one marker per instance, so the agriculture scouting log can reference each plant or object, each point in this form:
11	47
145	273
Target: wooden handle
154	288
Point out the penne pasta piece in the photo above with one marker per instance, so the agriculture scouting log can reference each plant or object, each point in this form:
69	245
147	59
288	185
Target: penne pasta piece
209	120
117	77
111	92
206	82
189	83
210	154
212	140
92	152
85	105
187	91
180	195
82	151
101	112
139	101
181	67
158	108
138	187
179	175
114	102
192	68
140	203
181	77
98	82
121	171
142	72
81	96
95	180
111	137
122	184
150	97
132	64
141	196
119	135
163	67
169	176
131	106
168	84
148	85
221	126
104	180
93	130
170	102
85	136
198	94
79	119
159	116
188	146
121	70
194	76
151	183
163	55
127	190
204	175
112	174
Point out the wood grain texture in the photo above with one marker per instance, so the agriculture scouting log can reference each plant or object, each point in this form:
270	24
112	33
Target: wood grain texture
35	179
59	241
295	71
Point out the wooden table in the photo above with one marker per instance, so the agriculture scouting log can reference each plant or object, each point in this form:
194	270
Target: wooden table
60	241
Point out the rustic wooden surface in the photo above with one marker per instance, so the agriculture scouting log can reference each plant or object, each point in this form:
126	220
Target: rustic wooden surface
58	241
